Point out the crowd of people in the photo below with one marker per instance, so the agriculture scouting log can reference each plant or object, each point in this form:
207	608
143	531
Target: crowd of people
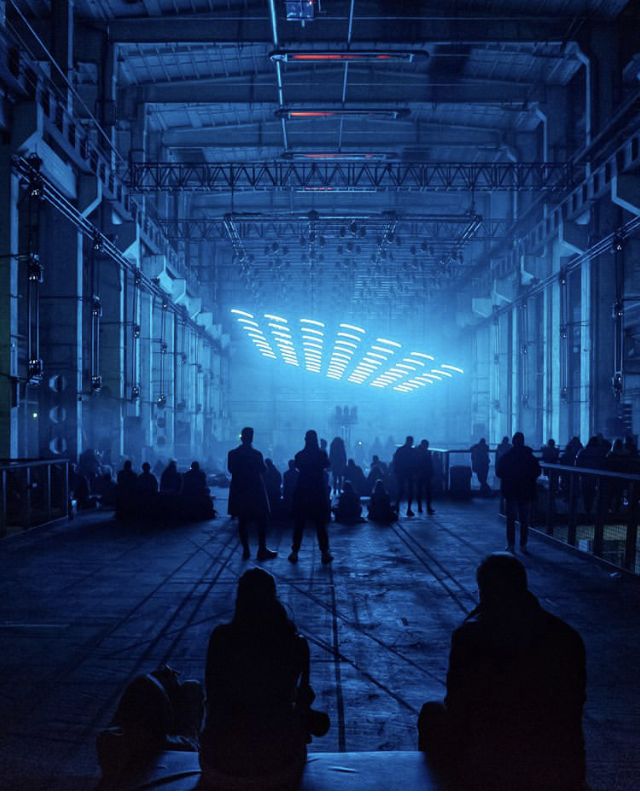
511	718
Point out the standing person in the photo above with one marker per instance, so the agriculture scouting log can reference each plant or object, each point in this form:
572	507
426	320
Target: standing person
404	467
516	687
338	459
502	448
480	464
247	494
518	471
289	481
126	489
310	499
147	483
424	475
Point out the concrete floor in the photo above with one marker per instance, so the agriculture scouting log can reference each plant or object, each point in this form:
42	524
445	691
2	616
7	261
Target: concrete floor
87	605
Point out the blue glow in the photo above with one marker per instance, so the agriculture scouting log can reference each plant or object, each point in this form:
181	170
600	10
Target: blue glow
304	346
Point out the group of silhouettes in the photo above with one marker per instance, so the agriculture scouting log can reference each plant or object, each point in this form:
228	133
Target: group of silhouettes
511	718
177	497
258	492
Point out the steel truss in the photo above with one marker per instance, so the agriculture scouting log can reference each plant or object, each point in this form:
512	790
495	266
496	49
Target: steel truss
435	227
341	176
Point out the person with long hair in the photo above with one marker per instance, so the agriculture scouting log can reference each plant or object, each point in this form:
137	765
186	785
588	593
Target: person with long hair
311	499
258	695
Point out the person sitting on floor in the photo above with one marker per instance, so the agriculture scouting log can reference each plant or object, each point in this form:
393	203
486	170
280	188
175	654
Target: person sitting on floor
380	509
171	480
198	504
512	716
147	483
349	508
258	695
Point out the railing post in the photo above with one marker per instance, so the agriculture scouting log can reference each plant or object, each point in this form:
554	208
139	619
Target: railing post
3	502
550	502
573	501
26	499
631	541
598	530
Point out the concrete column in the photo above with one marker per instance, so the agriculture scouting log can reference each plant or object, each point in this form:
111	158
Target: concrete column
62	44
9	245
109	422
62	421
147	397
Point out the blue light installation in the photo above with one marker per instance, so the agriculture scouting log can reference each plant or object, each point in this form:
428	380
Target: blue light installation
353	356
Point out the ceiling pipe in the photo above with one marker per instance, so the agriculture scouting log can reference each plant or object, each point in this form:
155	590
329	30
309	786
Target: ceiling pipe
274	34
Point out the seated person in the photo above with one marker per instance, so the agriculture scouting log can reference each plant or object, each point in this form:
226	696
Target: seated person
147	482
355	474
258	694
380	509
171	480
512	716
194	482
349	509
377	471
79	487
156	712
126	490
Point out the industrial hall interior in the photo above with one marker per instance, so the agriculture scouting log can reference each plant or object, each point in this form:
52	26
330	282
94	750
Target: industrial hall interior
319	394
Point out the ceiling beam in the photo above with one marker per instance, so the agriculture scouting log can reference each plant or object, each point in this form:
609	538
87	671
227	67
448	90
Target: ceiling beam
306	94
330	31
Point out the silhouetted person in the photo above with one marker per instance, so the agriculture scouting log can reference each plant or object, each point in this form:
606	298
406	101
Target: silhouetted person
424	475
171	480
194	481
147	482
126	489
348	510
618	461
310	499
377	472
273	484
248	499
338	459
105	487
158	468
501	449
568	457
258	695
512	715
380	509
550	452
355	474
89	465
289	481
404	464
79	487
480	464
518	471
591	457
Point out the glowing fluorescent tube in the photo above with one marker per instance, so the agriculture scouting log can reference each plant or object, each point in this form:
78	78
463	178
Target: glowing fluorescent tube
353	328
442	373
312	331
276	318
347	342
422	356
413	362
388	342
313	323
349	335
246	324
242	312
384	350
280	327
452	367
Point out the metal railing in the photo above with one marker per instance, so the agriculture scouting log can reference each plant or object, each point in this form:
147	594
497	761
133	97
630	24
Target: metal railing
32	492
595	511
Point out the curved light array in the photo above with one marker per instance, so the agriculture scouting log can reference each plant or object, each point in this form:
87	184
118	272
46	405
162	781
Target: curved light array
379	363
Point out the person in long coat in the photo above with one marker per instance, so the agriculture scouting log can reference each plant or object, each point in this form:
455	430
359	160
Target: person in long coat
247	494
310	499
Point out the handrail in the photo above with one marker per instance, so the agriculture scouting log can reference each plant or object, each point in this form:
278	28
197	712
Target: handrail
591	471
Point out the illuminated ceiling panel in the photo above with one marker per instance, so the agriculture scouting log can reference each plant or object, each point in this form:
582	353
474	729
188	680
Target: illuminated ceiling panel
347	353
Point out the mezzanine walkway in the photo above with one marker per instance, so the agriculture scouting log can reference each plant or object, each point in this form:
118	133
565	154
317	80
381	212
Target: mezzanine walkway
87	605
